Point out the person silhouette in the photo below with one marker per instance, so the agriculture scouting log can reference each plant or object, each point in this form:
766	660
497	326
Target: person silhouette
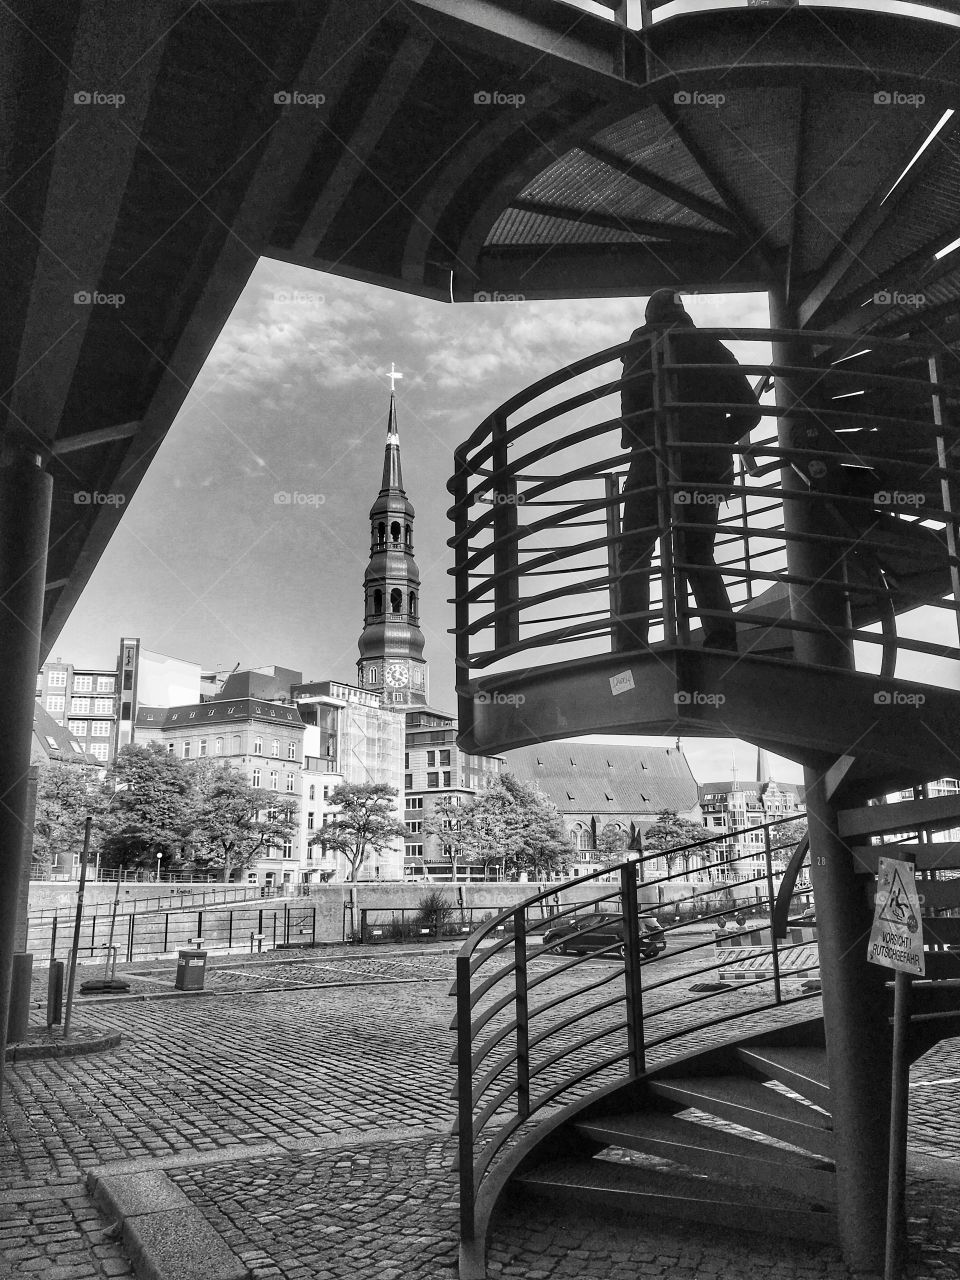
697	507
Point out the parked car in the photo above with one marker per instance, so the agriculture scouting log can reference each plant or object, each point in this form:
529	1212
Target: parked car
597	930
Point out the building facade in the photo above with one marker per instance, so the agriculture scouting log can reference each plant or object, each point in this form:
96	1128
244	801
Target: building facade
732	805
82	700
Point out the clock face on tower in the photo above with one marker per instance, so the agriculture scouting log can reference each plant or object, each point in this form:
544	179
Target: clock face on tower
396	675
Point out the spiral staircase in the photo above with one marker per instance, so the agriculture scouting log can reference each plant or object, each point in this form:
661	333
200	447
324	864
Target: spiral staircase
731	1115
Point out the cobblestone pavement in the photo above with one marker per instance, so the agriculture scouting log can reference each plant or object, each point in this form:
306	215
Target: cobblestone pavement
309	1125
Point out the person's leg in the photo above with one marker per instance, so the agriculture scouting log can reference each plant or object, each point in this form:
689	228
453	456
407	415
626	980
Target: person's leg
706	581
638	538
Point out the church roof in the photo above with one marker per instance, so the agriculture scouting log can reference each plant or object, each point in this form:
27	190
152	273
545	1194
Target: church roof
592	778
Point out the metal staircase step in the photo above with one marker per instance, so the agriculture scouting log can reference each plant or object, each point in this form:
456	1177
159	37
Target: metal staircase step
754	1106
938	855
638	1191
936	813
804	1070
708	1149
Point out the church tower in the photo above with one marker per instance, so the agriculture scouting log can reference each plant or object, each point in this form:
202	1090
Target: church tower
391	645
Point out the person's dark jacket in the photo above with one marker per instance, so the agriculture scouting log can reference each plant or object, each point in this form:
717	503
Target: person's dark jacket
728	384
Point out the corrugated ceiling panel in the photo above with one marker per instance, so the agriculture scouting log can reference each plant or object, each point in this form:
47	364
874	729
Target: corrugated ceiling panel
513	227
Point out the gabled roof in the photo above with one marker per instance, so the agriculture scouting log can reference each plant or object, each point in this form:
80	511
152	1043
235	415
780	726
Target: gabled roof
224	711
586	777
51	741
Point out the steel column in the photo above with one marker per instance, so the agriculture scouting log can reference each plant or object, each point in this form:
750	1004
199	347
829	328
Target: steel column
854	1001
25	496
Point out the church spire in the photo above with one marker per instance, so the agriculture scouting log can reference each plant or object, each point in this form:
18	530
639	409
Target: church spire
392	474
391	644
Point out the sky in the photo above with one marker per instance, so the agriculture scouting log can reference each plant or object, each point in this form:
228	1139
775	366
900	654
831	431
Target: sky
207	566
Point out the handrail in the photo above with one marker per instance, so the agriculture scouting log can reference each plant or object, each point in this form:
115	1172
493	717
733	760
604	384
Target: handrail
879	488
534	1032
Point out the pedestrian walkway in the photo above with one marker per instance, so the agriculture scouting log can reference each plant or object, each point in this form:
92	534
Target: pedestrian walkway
308	1123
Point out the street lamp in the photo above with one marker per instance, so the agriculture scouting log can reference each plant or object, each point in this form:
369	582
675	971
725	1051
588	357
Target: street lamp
159	856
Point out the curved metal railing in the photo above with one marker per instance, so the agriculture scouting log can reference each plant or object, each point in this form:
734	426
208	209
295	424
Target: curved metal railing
536	1030
858	453
638	14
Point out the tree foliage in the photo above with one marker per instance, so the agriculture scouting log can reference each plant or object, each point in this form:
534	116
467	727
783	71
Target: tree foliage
366	822
672	832
446	824
612	845
512	825
64	798
151	811
233	822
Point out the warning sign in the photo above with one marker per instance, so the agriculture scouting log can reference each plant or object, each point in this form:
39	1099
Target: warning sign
896	939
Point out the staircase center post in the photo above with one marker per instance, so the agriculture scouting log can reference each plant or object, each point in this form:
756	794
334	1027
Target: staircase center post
854	1000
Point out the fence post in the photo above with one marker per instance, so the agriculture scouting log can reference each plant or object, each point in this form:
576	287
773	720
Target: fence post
523	1022
166	930
274	928
229	930
632	966
774	949
465	1098
130	927
313	933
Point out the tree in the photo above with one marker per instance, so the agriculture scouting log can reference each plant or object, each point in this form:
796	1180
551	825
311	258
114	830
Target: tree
64	799
511	824
151	812
672	832
366	823
612	844
445	823
234	822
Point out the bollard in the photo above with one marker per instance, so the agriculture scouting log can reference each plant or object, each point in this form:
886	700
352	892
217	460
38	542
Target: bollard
19	1016
55	993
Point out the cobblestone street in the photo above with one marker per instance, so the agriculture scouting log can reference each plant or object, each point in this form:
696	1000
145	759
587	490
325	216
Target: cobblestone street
309	1124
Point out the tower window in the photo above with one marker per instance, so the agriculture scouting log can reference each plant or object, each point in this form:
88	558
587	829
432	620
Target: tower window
408	535
413	603
378	601
381	533
396	600
395	532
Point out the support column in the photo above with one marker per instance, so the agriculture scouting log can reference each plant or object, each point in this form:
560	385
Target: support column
25	494
854	1000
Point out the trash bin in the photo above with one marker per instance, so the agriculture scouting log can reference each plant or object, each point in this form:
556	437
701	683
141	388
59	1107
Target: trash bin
191	970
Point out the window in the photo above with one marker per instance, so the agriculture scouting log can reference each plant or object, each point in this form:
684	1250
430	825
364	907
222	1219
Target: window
413	850
291	751
100	728
287	849
236	744
396	600
431	759
218	747
186	749
57	680
414	827
106	684
406	759
326	792
446	777
99	750
274	779
103	706
256	777
313	792
78	728
275	747
433	779
414	802
310	818
444	759
128	680
291	781
170	747
56	703
81	706
83	684
408	782
202	750
258	746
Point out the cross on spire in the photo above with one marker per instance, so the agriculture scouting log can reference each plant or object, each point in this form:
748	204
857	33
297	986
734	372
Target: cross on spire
393	375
